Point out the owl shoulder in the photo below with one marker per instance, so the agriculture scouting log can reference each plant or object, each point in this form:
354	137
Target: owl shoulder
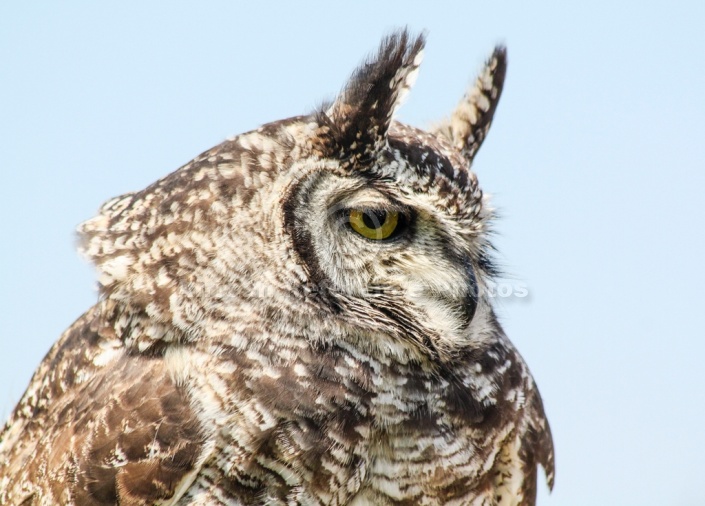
111	422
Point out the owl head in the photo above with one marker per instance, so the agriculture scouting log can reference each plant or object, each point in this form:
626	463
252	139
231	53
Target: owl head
342	226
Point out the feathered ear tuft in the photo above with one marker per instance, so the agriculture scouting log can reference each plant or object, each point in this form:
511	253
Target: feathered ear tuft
472	117
360	116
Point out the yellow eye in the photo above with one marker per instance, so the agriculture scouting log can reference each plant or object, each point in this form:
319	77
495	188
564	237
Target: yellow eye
374	224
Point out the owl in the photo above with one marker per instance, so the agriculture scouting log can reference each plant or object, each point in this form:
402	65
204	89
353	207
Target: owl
300	315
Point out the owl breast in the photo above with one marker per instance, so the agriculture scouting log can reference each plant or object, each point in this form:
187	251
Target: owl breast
335	426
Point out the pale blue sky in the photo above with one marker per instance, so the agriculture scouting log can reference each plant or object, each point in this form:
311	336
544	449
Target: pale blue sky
596	160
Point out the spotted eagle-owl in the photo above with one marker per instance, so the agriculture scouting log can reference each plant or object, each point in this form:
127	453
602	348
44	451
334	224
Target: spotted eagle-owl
299	315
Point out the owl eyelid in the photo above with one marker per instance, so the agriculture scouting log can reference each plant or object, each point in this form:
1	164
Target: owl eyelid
377	209
372	208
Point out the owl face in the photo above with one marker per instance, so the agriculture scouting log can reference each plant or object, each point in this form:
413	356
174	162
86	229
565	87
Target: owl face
385	249
376	229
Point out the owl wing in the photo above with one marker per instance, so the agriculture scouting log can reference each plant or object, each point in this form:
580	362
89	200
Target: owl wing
536	447
98	425
529	445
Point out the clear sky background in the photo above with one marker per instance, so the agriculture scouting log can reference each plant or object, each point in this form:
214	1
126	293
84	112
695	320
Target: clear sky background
596	160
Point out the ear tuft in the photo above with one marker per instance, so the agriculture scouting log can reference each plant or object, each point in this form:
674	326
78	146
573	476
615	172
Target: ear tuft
471	120
361	115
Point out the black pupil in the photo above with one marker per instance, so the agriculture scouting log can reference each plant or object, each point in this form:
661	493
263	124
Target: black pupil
374	219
